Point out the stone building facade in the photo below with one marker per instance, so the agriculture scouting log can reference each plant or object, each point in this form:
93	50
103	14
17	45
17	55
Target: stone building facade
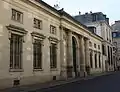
39	43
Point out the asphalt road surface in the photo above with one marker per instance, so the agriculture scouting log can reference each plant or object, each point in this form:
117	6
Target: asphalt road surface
109	83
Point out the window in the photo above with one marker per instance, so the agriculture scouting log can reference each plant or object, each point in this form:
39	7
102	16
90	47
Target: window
37	54
95	45
103	49
53	56
17	16
52	29
16	43
114	48
114	35
37	23
90	43
95	60
94	17
115	43
99	62
99	47
91	61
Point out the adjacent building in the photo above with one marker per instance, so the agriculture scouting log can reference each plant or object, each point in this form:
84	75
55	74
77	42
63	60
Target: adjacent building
116	42
98	23
39	43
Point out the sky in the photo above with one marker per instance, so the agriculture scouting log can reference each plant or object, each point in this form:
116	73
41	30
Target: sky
109	7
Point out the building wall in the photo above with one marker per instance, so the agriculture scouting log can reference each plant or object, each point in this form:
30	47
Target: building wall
28	76
104	31
31	10
96	50
97	26
116	42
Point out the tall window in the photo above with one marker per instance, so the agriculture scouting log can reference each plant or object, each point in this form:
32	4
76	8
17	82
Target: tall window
99	47
53	56
37	23
37	54
99	62
17	16
91	61
94	45
90	44
52	29
16	43
103	49
95	60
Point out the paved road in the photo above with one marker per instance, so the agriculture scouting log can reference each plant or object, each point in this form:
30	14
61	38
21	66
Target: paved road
109	83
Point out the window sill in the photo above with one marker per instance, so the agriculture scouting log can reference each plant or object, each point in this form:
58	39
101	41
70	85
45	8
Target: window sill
16	70
53	69
21	22
37	28
35	70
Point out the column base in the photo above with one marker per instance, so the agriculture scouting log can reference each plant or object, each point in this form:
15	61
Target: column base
83	73
69	71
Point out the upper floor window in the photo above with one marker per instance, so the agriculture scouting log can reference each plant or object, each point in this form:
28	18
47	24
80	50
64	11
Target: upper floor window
17	16
94	17
103	49
115	43
90	43
114	34
37	23
99	47
52	29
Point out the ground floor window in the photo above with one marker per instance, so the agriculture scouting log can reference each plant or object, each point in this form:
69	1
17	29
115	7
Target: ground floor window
53	56
37	54
91	61
16	42
99	62
95	60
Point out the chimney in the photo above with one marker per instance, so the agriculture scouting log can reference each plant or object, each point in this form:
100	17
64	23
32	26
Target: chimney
86	13
79	13
90	11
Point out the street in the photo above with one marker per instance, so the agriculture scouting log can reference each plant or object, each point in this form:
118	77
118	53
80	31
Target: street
109	83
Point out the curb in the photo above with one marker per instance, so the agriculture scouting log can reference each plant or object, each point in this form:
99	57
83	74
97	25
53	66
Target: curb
64	82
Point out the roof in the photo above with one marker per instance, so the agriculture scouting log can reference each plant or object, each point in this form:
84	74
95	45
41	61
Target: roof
63	13
48	6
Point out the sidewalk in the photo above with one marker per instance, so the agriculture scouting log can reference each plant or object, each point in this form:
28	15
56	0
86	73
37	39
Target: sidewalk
31	88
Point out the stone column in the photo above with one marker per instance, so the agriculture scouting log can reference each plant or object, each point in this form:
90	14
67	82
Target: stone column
87	55
82	63
62	52
97	59
70	56
93	60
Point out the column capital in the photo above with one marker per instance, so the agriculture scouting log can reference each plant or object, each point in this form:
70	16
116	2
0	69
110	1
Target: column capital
83	37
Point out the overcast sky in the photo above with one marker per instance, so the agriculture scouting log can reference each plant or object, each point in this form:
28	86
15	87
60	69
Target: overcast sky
109	7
